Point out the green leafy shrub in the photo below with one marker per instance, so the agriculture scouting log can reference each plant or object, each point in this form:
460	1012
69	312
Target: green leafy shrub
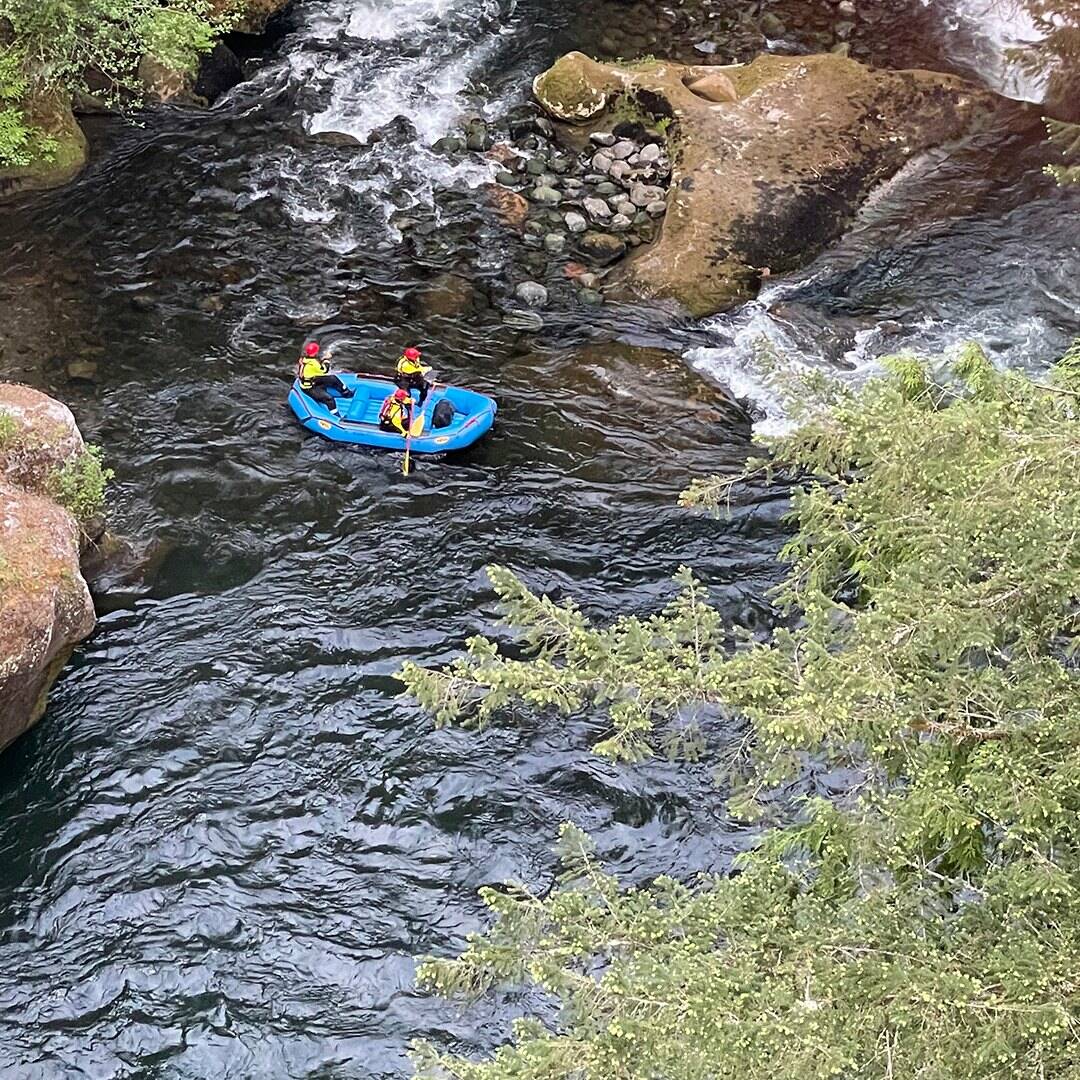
79	486
177	38
9	429
1065	138
53	45
926	925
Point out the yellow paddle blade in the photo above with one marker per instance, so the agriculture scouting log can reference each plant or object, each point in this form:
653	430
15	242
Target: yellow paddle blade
417	426
405	463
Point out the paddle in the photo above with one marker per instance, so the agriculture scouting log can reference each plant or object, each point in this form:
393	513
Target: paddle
408	440
423	412
416	428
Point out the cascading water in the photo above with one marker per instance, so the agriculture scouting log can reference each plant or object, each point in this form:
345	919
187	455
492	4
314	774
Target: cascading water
969	243
997	40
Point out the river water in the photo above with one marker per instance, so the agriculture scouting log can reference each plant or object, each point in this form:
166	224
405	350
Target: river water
224	847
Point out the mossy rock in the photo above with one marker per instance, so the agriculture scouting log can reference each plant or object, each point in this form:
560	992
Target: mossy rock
760	184
64	151
575	88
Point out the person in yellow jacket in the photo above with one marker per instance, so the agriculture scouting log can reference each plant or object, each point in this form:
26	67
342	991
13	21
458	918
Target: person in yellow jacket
316	380
396	413
410	374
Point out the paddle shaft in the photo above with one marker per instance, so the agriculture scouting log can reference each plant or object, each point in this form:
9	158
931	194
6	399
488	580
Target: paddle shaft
408	442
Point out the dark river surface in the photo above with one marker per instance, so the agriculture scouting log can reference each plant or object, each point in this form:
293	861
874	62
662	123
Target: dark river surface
229	840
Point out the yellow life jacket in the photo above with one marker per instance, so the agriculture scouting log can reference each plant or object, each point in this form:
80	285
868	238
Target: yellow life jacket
308	368
405	366
398	413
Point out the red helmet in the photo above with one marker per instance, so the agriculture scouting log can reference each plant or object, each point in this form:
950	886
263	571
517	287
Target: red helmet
311	348
412	354
402	395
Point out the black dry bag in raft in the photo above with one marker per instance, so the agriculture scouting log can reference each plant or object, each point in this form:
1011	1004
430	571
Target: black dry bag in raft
443	416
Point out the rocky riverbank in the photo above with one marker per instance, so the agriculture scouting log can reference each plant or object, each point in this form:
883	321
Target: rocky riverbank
580	204
50	488
710	178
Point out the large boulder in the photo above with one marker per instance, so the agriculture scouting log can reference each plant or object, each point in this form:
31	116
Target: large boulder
219	71
38	435
765	181
51	115
45	606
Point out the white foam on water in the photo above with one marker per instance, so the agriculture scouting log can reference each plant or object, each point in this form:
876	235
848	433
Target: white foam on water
990	36
370	91
389	20
761	352
354	78
738	364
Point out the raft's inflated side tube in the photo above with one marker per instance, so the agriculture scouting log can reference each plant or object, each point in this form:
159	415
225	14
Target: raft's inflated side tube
357	419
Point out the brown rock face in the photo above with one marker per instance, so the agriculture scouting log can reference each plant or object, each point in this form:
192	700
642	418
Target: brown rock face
45	606
767	180
37	435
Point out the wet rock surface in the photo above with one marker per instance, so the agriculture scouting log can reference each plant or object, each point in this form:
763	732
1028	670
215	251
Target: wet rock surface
45	606
574	198
52	115
762	183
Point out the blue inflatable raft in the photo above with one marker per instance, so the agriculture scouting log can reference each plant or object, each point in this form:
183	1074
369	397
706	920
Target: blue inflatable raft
357	420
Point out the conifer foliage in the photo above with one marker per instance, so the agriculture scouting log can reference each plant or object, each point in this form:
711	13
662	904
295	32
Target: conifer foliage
51	49
928	924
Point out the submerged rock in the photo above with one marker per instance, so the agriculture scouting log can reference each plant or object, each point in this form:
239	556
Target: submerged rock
532	293
769	179
545	194
448	295
601	248
510	206
529	321
45	606
575	222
